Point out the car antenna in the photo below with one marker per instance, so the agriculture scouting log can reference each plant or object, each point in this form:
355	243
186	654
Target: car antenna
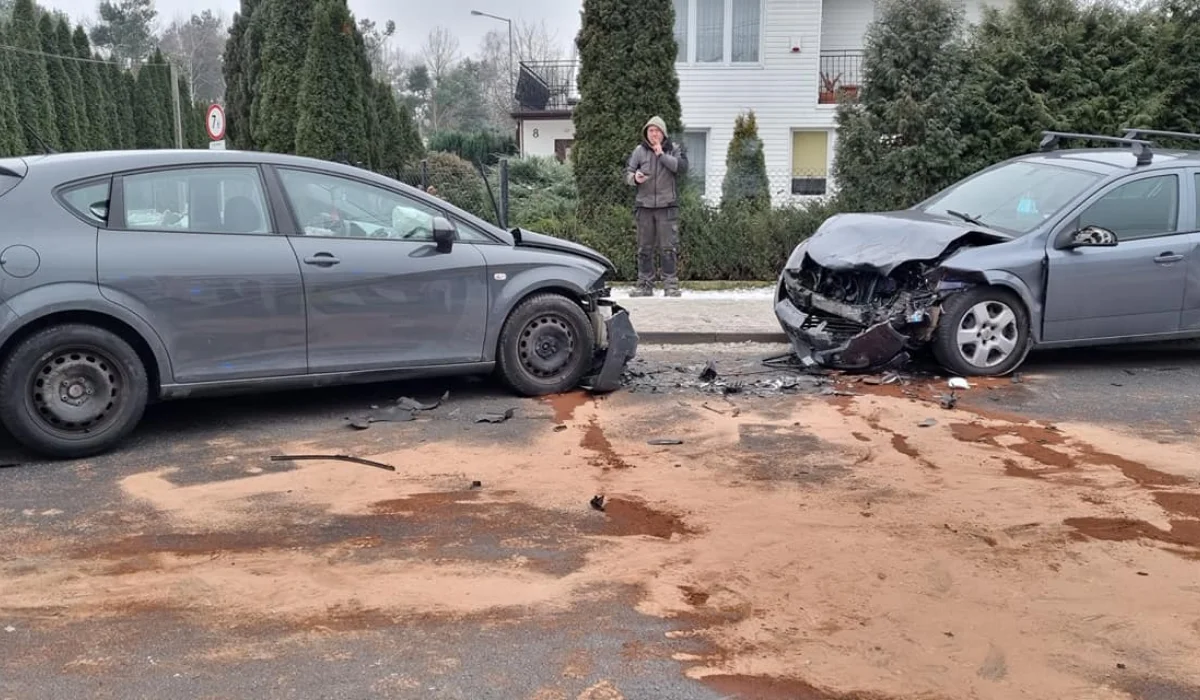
495	206
41	142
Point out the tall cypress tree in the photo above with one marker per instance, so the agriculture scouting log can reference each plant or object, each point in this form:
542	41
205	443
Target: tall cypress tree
237	75
746	166
97	121
389	138
126	93
275	116
12	140
904	139
1180	66
626	75
31	80
149	111
65	82
332	123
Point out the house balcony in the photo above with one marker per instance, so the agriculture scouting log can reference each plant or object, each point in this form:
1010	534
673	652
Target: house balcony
545	89
841	76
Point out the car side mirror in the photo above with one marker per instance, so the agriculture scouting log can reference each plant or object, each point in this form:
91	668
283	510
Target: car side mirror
1090	237
443	234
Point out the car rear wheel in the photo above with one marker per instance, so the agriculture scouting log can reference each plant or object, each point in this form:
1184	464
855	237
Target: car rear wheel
546	346
982	332
72	391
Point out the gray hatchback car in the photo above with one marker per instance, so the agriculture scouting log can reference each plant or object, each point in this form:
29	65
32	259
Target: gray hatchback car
1058	248
133	276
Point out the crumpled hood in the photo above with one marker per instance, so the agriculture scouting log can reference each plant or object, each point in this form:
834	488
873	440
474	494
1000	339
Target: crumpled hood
529	239
887	240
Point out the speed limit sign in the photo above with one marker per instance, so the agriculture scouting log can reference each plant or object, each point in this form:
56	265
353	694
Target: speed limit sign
214	123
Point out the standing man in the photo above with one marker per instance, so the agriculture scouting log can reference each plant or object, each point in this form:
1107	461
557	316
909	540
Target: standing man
654	168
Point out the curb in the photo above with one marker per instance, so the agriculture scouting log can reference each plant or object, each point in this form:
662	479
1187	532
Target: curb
698	338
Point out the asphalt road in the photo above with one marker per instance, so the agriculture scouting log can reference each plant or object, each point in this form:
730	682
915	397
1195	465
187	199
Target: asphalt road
153	653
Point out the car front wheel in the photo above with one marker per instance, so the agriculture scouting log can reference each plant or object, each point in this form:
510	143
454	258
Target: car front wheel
546	346
72	391
983	331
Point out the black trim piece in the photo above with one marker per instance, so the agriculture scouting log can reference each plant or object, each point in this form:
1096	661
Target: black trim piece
312	381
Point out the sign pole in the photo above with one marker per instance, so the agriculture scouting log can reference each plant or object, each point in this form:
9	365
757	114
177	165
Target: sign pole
175	103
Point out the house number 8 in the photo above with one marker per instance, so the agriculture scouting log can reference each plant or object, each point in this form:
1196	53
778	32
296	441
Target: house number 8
535	133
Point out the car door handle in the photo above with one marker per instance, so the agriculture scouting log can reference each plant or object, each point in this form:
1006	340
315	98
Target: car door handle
1168	257
322	260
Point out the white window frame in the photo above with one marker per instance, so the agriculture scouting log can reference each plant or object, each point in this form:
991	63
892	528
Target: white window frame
726	40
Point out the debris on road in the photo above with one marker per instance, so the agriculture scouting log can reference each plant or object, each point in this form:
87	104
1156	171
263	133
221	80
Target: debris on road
476	484
959	383
927	423
949	401
342	458
391	414
410	404
710	372
665	441
495	417
597	503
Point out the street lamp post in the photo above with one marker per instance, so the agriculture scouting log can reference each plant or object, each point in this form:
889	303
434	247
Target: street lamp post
512	92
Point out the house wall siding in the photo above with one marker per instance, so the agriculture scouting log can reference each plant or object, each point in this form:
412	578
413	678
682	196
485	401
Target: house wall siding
782	88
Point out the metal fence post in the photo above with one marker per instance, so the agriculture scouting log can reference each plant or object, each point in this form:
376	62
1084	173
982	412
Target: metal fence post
504	192
425	175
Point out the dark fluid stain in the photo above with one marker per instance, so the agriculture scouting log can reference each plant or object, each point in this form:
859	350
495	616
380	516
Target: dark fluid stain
596	441
1134	471
1011	468
900	444
1185	504
564	405
1183	533
1035	441
860	437
694	596
768	688
626	518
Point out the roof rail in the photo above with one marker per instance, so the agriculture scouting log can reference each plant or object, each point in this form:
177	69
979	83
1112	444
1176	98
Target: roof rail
1141	147
1131	133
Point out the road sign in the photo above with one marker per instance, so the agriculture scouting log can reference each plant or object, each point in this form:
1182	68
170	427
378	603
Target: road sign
214	123
216	145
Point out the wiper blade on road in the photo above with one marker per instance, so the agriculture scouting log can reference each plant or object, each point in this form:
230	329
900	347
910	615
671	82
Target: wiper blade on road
965	217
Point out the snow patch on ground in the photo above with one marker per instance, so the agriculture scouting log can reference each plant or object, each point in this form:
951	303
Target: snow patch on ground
747	294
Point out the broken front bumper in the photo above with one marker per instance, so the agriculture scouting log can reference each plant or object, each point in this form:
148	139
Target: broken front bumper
815	342
616	343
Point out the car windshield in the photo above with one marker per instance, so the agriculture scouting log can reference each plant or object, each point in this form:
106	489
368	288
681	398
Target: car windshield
1016	197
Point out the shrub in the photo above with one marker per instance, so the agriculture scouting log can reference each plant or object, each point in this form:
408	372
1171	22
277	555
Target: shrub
485	147
458	182
746	166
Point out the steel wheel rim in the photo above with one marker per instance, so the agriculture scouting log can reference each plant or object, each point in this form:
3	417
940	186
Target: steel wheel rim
76	391
987	334
546	346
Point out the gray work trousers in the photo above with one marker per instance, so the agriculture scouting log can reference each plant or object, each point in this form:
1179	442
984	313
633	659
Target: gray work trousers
658	229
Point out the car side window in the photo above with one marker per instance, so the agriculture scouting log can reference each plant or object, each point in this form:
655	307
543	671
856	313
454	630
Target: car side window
196	200
470	234
89	200
1144	208
329	205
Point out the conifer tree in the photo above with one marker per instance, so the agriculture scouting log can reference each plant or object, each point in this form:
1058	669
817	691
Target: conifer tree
746	166
31	80
332	123
96	111
62	86
627	75
275	113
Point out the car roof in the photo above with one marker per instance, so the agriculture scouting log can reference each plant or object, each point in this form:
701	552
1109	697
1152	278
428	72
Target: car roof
1113	161
82	165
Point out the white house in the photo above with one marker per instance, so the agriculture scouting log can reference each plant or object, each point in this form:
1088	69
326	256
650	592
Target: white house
783	59
545	95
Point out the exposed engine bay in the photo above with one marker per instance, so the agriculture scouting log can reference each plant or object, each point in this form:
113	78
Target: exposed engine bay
860	318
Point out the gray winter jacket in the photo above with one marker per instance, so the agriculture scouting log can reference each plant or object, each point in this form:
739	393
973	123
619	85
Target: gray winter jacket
661	188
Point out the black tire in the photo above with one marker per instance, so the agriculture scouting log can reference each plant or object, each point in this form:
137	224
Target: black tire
80	359
981	309
568	346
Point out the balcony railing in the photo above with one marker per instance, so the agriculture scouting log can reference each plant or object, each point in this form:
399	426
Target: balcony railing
546	86
841	75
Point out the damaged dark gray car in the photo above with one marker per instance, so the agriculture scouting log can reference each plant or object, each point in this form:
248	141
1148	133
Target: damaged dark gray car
1058	248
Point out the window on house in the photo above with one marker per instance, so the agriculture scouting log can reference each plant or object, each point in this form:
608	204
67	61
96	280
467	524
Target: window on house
696	145
710	31
681	28
810	157
718	31
747	24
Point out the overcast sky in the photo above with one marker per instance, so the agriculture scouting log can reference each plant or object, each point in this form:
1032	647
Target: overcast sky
414	18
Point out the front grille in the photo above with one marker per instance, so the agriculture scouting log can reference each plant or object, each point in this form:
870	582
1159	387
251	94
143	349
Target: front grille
835	326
